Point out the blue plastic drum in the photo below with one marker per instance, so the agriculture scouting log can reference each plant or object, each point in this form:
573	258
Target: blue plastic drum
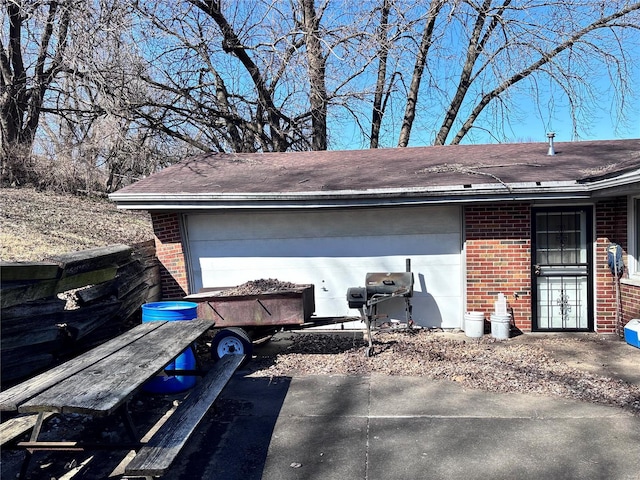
170	312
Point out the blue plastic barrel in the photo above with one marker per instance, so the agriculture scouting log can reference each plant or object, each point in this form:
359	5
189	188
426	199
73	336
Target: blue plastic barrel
171	312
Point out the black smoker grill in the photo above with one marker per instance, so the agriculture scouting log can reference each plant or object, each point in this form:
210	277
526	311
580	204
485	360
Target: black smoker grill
381	287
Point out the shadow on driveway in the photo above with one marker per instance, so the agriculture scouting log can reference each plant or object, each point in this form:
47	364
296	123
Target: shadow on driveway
232	442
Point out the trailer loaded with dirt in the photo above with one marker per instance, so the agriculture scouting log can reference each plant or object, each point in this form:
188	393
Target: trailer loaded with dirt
254	310
260	308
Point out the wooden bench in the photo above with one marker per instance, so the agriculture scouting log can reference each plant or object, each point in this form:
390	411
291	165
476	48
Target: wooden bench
155	458
14	427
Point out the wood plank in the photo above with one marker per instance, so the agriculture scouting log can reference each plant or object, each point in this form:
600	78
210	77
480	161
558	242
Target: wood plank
84	261
154	294
102	387
12	397
21	271
16	294
14	427
74	324
127	283
17	313
29	331
92	277
20	363
99	291
132	301
158	454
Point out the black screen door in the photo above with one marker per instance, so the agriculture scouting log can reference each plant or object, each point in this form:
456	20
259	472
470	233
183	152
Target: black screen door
562	266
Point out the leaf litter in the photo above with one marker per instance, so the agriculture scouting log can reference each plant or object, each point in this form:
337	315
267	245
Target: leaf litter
487	364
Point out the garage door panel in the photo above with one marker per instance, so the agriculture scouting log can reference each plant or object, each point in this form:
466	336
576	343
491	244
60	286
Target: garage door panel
331	277
330	247
334	223
336	257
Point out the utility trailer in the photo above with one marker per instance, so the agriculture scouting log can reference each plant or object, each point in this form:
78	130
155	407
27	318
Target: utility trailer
243	317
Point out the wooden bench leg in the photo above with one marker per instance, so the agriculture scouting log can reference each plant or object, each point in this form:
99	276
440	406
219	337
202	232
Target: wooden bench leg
132	431
155	458
35	433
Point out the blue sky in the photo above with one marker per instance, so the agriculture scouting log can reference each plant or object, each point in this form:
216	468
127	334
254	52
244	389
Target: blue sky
531	125
533	106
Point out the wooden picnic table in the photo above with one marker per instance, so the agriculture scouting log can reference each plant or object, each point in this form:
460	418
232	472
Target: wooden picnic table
100	380
99	383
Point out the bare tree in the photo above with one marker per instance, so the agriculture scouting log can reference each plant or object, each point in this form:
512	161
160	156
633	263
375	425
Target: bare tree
564	43
317	67
576	41
25	76
416	78
377	112
90	83
69	87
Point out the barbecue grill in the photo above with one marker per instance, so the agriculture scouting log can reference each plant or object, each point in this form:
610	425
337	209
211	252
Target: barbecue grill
381	287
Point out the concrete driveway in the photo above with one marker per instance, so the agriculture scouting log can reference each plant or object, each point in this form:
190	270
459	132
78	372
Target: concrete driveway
376	427
381	428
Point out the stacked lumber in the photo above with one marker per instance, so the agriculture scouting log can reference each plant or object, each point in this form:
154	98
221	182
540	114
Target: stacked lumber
55	309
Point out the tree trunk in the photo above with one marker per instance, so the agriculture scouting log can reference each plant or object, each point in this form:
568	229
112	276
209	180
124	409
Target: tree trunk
378	112
416	79
232	44
21	100
316	62
473	51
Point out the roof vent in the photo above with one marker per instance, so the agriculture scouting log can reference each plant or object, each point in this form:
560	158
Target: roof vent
550	136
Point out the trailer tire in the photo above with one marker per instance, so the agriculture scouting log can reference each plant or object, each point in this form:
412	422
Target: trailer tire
231	341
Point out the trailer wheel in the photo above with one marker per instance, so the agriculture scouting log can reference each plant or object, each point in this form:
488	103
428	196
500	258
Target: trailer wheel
231	341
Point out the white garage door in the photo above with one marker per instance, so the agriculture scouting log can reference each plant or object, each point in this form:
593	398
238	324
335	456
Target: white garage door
334	250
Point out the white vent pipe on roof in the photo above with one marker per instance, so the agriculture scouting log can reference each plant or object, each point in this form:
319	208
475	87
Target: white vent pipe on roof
550	136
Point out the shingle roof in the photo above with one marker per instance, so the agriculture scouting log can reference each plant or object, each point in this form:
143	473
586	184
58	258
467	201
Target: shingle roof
393	168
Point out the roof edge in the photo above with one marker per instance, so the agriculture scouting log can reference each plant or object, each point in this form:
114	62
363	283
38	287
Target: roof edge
483	192
413	195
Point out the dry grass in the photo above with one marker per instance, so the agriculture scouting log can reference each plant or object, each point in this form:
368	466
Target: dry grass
36	225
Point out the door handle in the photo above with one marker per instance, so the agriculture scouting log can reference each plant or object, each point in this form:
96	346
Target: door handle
537	270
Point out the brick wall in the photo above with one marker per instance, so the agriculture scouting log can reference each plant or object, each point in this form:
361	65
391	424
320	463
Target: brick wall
630	302
611	226
498	258
166	227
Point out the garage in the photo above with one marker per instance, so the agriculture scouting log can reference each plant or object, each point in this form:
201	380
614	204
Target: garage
334	249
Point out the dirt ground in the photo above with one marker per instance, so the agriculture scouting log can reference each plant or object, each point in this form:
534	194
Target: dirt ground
594	362
36	225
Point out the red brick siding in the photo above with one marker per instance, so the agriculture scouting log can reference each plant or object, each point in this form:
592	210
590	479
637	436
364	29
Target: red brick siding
630	302
498	258
611	226
166	227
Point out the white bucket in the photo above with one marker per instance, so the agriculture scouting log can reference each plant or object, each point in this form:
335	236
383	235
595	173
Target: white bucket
500	325
474	324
